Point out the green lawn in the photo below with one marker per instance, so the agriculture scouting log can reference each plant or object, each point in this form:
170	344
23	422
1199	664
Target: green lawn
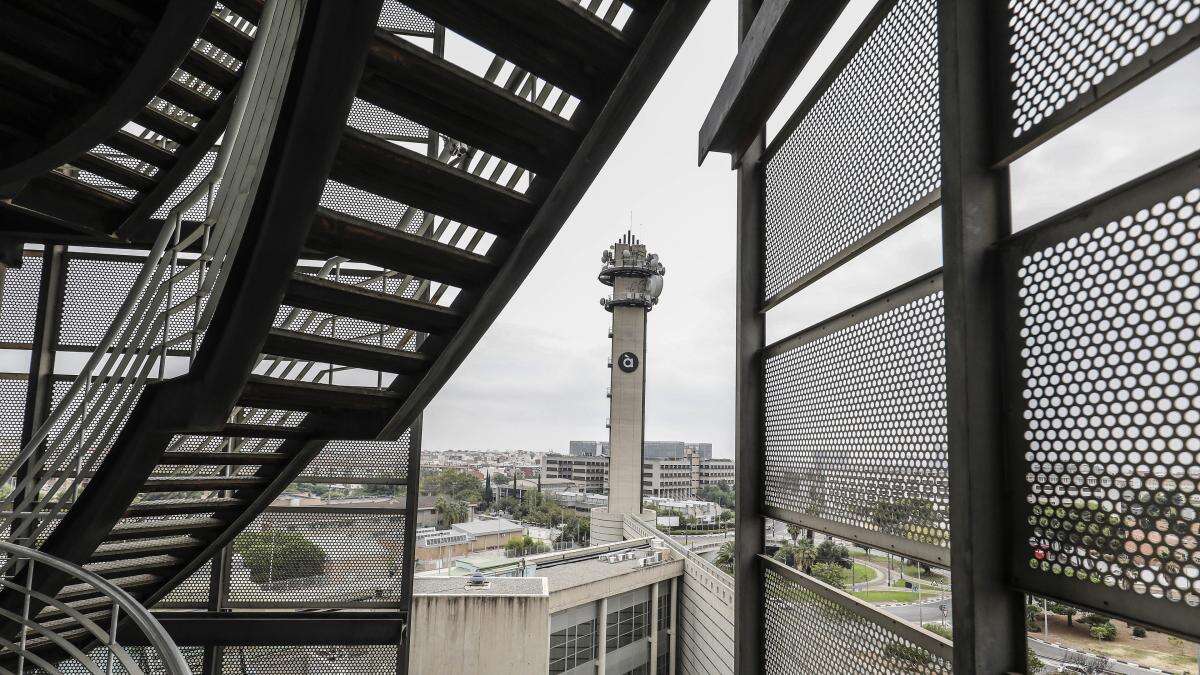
909	570
860	573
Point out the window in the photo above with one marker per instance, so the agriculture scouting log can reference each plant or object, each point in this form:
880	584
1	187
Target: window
627	625
572	646
664	609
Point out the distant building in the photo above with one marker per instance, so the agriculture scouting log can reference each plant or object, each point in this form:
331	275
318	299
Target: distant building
523	486
650	449
673	478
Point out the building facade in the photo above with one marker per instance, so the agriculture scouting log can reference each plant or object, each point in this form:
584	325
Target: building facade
679	478
650	449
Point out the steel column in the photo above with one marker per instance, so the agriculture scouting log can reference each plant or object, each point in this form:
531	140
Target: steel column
989	635
412	498
749	409
45	340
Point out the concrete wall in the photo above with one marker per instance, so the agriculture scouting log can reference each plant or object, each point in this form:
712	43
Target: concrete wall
495	634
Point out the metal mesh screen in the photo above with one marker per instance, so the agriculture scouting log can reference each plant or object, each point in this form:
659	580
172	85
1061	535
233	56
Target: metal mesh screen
368	206
372	119
1107	347
856	421
147	659
862	157
325	660
399	18
361	462
95	289
12	416
809	631
319	556
1060	51
194	592
18	304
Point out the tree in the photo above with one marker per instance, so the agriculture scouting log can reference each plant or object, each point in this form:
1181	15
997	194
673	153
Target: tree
274	555
1105	631
907	658
524	545
488	495
800	555
721	493
453	483
726	556
450	511
832	574
502	479
1065	610
834	554
793	531
1032	663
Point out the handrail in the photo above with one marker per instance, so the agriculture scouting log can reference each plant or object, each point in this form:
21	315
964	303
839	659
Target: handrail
77	435
644	530
123	605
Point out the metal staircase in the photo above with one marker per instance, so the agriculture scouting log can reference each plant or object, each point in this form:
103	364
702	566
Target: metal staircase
298	319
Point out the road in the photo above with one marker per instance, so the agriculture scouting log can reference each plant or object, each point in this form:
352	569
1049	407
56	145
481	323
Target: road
930	612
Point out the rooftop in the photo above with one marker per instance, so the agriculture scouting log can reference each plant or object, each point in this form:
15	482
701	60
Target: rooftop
481	528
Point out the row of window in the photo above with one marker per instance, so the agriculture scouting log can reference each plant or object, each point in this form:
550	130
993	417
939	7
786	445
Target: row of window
572	646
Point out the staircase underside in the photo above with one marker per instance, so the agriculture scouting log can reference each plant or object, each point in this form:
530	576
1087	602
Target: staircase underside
411	297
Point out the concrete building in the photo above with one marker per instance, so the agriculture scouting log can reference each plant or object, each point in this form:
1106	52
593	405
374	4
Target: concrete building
650	449
609	609
673	478
549	486
490	533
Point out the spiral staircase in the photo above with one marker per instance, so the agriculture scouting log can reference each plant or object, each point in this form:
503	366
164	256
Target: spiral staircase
271	315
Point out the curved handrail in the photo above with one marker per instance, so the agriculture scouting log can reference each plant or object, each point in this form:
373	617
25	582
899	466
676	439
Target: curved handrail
644	530
123	604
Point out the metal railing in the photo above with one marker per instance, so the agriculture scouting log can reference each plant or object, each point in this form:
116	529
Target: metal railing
34	636
641	529
164	314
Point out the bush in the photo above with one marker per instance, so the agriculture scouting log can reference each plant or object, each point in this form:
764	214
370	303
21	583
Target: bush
1139	632
939	629
909	658
830	573
1096	619
274	555
1032	663
1104	631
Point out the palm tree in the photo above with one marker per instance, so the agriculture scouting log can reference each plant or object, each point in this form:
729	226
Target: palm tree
725	557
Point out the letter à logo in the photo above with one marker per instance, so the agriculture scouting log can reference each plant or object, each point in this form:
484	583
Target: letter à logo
628	362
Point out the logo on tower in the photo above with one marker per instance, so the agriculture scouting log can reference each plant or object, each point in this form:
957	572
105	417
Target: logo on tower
628	362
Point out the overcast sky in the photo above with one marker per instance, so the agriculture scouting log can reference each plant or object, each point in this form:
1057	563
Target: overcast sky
537	379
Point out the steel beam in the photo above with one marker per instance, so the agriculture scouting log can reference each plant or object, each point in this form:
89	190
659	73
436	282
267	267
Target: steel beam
778	45
261	628
749	405
989	618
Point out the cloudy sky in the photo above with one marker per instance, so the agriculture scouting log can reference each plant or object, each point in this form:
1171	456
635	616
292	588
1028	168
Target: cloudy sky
537	379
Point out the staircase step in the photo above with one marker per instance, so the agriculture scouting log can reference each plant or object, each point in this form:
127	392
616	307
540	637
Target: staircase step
224	36
337	234
120	568
383	168
163	528
210	70
189	99
167	126
89	607
414	83
307	347
332	297
269	392
130	584
223	458
117	173
126	550
172	507
207	483
557	40
142	149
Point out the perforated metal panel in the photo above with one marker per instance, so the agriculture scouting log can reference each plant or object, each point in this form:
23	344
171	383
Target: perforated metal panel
399	18
861	159
197	210
856	422
807	629
18	304
96	287
146	658
1106	427
360	551
194	592
368	206
1063	55
327	660
12	415
361	462
372	119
